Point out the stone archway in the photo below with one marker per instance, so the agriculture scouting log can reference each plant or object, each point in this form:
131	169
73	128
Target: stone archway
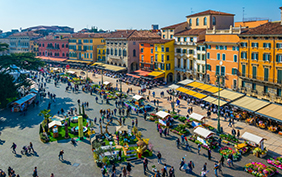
184	77
133	66
169	77
191	77
178	77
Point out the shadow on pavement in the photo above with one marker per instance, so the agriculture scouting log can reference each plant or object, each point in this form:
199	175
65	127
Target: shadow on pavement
66	162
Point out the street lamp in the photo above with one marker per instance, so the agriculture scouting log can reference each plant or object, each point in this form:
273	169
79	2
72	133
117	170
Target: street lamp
218	106
172	104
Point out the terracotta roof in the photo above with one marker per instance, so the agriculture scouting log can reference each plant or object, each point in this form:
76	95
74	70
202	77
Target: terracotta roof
29	33
173	26
90	35
270	28
191	32
201	41
121	34
56	37
157	41
144	35
209	12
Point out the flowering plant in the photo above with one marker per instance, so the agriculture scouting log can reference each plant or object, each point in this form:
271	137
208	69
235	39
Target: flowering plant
259	169
277	162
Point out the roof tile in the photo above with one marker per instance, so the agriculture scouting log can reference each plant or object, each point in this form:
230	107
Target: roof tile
191	32
209	12
270	28
173	26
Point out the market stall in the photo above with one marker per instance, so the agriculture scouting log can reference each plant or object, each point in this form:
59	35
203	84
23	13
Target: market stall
164	118
22	103
256	143
137	103
54	126
204	137
197	119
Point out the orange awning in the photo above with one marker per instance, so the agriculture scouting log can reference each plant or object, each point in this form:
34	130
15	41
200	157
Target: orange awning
142	73
51	58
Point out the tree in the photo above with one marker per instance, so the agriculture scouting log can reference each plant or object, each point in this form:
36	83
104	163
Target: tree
8	89
45	113
3	47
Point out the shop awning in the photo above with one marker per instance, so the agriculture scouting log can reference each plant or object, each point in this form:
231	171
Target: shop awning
137	97
185	82
213	89
162	114
71	72
25	99
195	84
173	86
214	101
106	83
229	95
142	73
97	64
113	68
199	95
272	111
203	87
51	58
132	75
253	138
250	104
79	61
54	123
203	132
157	74
197	117
191	92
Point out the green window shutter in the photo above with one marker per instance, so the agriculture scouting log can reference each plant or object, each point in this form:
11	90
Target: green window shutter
277	58
263	58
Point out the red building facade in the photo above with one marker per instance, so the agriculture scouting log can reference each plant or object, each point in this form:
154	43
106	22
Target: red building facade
54	46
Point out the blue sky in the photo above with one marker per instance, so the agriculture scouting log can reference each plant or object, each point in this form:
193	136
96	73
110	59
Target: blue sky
123	14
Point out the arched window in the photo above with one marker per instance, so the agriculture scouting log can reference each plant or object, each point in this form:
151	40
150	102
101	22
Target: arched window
63	45
197	22
108	51
111	51
119	52
67	55
63	54
205	21
115	52
124	65
67	45
190	22
124	52
213	21
134	52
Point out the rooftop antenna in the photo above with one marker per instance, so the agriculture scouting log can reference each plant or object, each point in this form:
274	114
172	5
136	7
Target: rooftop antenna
243	14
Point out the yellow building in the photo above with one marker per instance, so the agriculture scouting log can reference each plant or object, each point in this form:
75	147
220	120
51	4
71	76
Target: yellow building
83	46
164	59
101	53
260	61
33	47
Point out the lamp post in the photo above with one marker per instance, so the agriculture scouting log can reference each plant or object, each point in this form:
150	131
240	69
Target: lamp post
172	104
120	85
218	106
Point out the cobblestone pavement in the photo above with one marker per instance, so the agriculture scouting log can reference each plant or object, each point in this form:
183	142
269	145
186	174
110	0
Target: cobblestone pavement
79	160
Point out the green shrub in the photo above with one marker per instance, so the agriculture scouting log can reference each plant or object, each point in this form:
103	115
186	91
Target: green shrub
182	119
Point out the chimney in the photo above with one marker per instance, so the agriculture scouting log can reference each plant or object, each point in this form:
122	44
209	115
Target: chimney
280	14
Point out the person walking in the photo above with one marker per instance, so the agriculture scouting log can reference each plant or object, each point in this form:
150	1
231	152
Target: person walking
233	132
215	169
222	160
124	172
182	162
145	166
171	172
132	122
123	120
190	166
128	168
177	142
209	154
136	122
238	134
31	147
14	146
159	156
199	149
161	132
61	155
35	172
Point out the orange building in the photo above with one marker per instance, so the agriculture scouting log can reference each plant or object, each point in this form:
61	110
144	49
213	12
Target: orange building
222	56
146	52
250	24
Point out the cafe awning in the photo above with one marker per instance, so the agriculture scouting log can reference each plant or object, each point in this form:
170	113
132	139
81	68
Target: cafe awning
250	104
132	75
51	58
214	101
191	92
173	86
229	95
194	84
106	83
162	114
199	95
157	74
138	97
142	73
113	68
97	64
253	138
203	132
272	111
121	128
71	72
185	82
197	117
79	61
203	87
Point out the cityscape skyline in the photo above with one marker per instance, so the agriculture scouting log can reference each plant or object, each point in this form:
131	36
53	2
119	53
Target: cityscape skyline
66	13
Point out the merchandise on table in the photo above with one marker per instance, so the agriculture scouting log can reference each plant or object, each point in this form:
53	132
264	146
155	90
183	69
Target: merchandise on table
277	162
260	169
226	151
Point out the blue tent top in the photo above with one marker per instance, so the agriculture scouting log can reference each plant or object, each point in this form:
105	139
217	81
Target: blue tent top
24	99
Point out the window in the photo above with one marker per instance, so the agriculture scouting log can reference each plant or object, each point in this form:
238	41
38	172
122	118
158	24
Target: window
243	44
171	36
213	21
279	76
178	39
99	52
254	56
156	57
184	39
142	58
178	50
190	22
255	44
63	54
225	47
91	41
163	30
90	55
116	52
184	50
279	58
63	45
267	45
209	46
198	68
142	50
162	48
198	48
218	56
233	48
171	30
162	58
184	63
243	55
223	70
254	86
199	56
167	66
266	57
112	52
124	53
119	52
67	45
279	45
191	51
85	41
103	52
203	68
142	44
254	72
221	47
167	49
191	39
217	70
152	50
163	36
243	83
216	47
108	51
208	55
167	58
134	43
223	57
266	72
205	21
203	49
243	70
203	57
234	71
265	89
156	49
197	22
152	59
235	58
278	92
151	45
209	67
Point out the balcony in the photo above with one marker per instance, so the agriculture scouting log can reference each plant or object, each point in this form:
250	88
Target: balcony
115	57
185	43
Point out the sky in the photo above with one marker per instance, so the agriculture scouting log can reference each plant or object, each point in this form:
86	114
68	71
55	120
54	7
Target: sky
123	14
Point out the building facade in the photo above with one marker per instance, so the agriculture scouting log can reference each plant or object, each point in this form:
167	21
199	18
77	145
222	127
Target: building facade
83	46
223	48
146	55
34	47
20	42
260	61
101	53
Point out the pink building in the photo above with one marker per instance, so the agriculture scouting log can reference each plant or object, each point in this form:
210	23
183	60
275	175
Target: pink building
54	46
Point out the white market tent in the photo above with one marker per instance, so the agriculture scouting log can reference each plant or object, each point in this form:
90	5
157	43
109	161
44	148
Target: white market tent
173	86
25	99
55	69
106	83
71	72
253	138
185	82
162	114
203	132
197	117
137	97
53	123
121	128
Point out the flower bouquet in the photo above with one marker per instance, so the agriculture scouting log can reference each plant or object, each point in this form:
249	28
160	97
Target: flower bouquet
277	162
272	128
262	125
259	169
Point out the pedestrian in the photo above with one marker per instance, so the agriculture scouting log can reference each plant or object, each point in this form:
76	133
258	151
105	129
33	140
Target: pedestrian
161	132
182	139
128	168
103	171
124	171
233	132
159	156
95	120
187	145
158	102
14	146
199	148
113	168
191	166
165	169
132	122
144	166
182	162
177	142
52	175
209	154
222	160
136	122
31	147
215	169
171	172
35	172
61	155
238	134
123	120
